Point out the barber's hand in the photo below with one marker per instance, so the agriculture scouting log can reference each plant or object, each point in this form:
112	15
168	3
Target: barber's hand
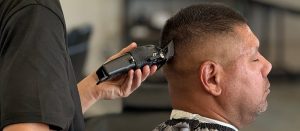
124	85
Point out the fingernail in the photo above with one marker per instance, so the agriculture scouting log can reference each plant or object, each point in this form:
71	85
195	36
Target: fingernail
134	44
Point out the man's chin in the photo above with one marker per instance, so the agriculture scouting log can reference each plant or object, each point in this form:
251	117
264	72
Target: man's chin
262	108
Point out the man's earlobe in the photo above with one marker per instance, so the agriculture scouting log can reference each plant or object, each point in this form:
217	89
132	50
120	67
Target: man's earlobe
209	77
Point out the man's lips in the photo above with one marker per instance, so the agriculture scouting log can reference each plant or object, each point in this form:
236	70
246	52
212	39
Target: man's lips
268	91
268	88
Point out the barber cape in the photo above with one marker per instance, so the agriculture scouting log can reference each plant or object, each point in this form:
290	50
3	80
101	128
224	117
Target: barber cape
185	121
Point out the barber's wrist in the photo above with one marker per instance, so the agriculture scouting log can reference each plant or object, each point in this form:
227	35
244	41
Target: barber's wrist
88	91
93	79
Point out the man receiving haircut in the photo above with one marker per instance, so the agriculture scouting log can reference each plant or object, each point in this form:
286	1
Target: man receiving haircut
217	78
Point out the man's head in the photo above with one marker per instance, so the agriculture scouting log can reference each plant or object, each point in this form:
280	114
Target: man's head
217	70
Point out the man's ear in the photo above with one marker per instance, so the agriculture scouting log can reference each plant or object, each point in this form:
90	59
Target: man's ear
209	74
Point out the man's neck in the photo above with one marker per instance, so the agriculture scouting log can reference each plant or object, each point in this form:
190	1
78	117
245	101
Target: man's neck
179	114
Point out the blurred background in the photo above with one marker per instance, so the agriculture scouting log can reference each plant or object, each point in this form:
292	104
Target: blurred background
99	28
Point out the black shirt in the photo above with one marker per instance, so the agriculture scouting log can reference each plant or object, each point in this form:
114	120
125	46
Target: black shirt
37	82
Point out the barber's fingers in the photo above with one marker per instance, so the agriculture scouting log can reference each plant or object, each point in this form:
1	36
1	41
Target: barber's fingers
137	79
153	69
130	47
123	51
129	81
145	72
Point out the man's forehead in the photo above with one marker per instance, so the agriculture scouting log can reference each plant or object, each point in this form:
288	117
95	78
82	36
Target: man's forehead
248	38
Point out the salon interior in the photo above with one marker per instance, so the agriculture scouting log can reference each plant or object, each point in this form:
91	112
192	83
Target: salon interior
98	29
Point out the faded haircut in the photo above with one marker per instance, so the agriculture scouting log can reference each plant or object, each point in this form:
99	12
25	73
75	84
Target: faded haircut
196	24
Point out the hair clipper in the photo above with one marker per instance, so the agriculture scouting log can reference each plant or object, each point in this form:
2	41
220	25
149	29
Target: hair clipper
135	59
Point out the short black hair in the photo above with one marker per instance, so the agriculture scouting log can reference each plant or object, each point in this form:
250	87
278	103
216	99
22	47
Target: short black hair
193	27
199	21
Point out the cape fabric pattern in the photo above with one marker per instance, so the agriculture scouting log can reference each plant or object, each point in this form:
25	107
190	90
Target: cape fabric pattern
190	125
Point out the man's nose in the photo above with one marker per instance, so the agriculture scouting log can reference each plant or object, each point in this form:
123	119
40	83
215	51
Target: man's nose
267	67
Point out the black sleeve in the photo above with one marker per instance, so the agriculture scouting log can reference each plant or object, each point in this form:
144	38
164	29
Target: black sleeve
34	82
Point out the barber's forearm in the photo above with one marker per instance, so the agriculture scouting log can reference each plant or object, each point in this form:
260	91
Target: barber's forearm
87	91
27	127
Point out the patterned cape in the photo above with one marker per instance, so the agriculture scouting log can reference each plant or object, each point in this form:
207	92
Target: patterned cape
189	125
